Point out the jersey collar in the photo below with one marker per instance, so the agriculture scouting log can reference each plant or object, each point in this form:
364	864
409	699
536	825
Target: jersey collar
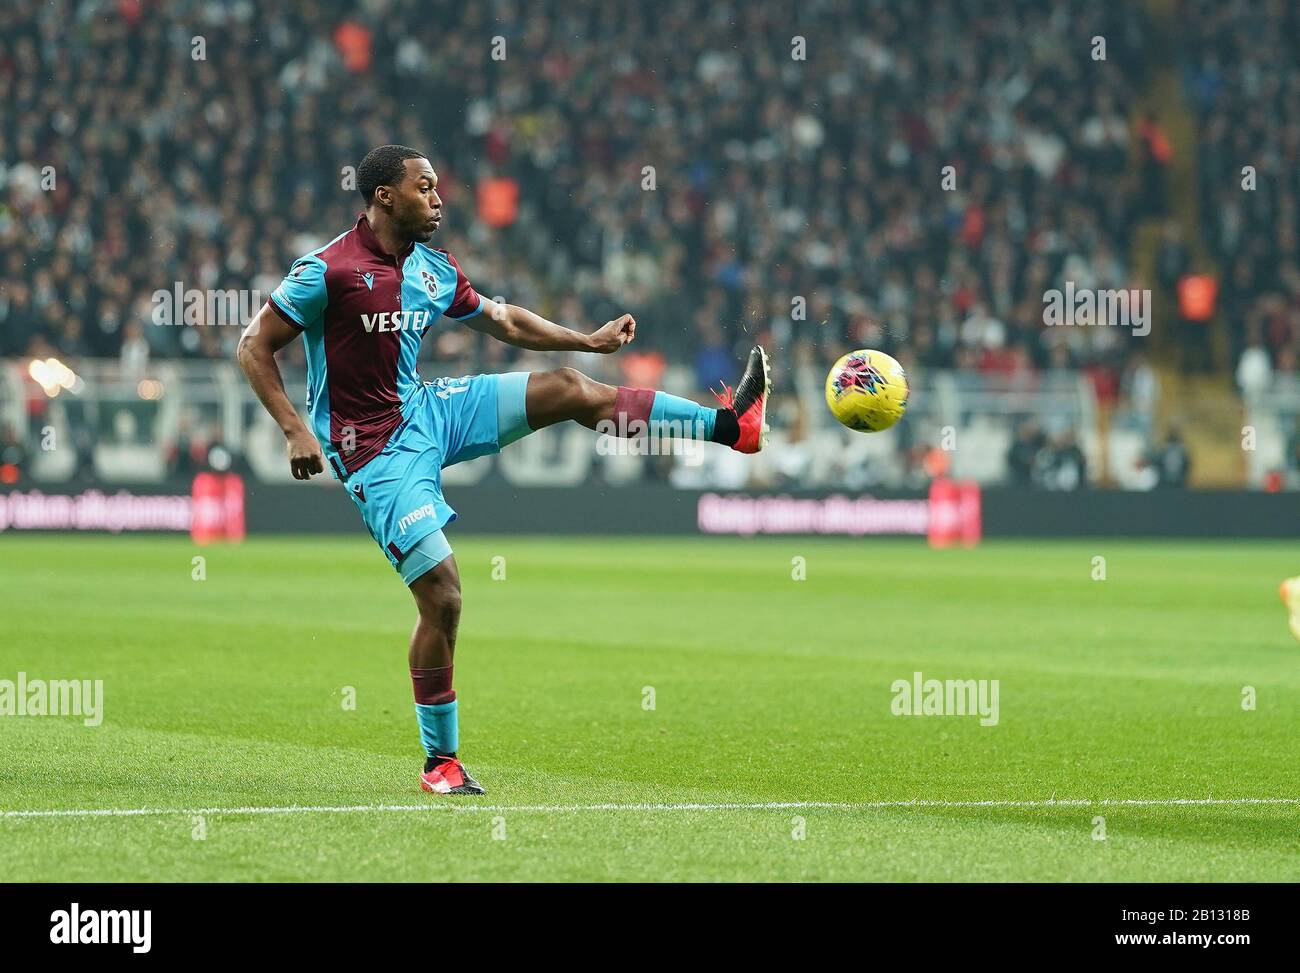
371	242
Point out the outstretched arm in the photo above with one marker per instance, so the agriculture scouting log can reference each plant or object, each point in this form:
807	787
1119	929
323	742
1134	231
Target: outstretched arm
522	328
266	334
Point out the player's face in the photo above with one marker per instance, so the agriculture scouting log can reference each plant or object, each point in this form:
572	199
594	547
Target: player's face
417	207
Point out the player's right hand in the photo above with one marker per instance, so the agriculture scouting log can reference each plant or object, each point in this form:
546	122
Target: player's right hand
613	335
305	456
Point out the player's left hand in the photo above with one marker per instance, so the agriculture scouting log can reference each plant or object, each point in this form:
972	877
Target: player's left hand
613	335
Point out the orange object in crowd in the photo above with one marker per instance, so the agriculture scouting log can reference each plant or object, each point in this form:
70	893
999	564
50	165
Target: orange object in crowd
1197	294
937	462
498	201
353	43
1157	141
643	369
972	226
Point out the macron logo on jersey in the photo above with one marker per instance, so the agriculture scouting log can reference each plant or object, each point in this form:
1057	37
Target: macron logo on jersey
396	321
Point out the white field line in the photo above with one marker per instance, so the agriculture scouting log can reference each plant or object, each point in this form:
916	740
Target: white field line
470	806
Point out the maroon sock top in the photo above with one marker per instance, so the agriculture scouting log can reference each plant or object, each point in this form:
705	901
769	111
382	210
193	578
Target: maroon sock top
433	686
632	405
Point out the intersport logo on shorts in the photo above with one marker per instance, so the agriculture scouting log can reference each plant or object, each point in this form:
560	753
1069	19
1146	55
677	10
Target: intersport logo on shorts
396	321
419	513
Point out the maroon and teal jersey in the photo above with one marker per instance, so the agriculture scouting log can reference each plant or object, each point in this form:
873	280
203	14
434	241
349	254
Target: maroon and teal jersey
363	314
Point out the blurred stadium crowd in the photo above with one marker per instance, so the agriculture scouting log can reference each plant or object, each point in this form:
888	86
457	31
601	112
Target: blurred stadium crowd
798	163
774	177
1242	74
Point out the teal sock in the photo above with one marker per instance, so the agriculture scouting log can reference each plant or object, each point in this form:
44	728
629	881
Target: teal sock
689	419
439	728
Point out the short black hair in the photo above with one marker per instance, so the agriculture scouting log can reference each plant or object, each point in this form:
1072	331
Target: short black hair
383	166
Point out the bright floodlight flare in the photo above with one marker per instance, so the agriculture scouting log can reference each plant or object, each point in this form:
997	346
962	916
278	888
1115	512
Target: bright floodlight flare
53	376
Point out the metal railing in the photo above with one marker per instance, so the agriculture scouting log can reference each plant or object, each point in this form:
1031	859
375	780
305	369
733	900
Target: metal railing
117	424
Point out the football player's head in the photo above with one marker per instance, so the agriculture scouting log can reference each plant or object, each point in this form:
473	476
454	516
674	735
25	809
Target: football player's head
400	182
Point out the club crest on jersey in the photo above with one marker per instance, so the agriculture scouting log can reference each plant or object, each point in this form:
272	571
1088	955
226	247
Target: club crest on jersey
396	321
430	284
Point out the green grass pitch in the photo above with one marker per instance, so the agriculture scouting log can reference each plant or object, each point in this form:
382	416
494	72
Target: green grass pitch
228	693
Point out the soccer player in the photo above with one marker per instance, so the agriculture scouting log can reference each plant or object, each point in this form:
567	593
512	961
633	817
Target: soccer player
363	303
1289	591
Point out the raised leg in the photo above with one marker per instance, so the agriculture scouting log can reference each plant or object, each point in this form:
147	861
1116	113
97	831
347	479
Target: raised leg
566	393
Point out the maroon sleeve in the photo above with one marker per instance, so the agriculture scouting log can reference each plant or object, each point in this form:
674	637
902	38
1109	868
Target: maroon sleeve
466	302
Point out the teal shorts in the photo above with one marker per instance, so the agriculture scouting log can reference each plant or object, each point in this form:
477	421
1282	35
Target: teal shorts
447	421
428	552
